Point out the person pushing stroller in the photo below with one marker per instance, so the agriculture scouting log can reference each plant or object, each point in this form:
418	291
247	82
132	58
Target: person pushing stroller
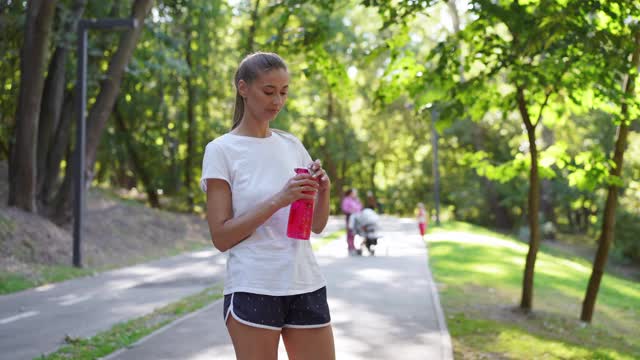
365	225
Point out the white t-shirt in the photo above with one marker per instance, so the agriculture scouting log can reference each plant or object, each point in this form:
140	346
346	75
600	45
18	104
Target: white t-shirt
267	262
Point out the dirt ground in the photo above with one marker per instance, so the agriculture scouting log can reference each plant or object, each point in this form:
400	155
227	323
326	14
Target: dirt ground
116	233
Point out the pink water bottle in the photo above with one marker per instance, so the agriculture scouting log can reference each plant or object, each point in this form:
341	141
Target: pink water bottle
300	215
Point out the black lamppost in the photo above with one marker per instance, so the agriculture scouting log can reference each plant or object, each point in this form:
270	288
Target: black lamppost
81	94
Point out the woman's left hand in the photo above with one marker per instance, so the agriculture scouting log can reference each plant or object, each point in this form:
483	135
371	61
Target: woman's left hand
318	172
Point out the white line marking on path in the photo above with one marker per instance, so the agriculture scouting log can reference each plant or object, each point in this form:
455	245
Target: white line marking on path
18	317
75	299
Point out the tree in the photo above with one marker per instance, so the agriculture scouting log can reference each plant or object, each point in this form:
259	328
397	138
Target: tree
11	38
524	58
608	223
54	131
534	46
23	164
103	106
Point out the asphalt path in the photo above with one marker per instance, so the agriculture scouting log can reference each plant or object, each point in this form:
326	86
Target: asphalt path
383	307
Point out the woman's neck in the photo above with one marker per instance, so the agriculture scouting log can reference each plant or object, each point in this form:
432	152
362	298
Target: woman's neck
252	129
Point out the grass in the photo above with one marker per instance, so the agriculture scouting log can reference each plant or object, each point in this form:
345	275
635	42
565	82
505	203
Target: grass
41	274
127	333
485	338
317	244
474	263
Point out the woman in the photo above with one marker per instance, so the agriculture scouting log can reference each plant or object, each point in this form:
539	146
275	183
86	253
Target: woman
273	285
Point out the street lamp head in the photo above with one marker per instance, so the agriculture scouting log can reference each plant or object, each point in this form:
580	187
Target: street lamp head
130	23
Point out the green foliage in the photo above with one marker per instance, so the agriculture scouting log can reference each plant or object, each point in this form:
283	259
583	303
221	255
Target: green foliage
394	12
590	170
503	173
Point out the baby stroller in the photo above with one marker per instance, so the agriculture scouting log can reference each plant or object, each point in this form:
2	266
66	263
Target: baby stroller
365	225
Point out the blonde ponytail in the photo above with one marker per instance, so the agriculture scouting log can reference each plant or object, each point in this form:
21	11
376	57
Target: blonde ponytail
238	110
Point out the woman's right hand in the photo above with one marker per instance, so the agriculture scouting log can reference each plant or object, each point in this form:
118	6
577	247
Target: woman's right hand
301	186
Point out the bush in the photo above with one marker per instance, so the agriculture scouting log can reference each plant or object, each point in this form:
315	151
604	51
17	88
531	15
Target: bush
627	243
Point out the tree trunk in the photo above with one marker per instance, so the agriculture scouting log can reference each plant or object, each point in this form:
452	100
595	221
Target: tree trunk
534	204
173	149
372	177
52	100
191	123
52	103
23	164
572	225
585	212
609	217
60	212
138	164
501	219
57	150
110	87
547	195
4	150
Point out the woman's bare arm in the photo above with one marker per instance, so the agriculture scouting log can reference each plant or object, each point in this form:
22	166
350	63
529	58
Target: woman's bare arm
228	230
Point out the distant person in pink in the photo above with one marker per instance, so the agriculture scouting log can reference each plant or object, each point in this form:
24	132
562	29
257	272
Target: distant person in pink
423	221
350	205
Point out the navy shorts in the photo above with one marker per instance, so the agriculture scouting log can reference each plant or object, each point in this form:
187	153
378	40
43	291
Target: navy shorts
309	310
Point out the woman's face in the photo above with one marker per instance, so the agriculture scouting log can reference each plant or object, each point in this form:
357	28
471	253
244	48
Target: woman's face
265	97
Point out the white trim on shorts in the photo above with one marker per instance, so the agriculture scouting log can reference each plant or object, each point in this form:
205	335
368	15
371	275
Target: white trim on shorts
306	326
226	316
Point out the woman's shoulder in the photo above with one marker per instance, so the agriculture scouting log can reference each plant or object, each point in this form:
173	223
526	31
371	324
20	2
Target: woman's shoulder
220	141
223	145
286	135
